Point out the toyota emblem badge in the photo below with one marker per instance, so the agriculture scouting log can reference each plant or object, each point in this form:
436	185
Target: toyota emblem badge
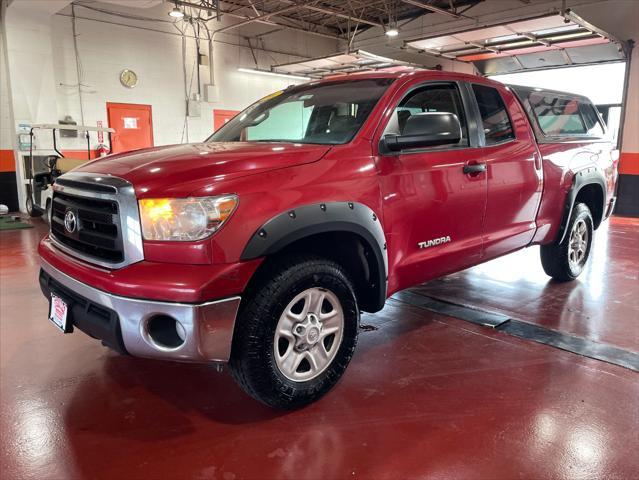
70	222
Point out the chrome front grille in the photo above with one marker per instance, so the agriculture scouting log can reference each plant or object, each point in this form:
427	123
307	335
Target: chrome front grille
95	218
97	231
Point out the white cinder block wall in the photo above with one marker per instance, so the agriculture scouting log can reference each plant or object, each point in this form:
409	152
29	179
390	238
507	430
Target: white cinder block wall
6	127
105	50
40	82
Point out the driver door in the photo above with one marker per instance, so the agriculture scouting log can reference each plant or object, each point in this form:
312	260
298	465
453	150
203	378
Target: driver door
433	209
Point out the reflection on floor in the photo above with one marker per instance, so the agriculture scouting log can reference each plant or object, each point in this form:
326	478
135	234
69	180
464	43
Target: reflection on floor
602	305
426	396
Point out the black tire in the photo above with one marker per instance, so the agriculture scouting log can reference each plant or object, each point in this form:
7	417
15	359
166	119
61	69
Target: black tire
253	364
30	208
555	257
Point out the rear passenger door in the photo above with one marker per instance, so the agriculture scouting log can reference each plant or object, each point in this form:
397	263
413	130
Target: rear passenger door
514	170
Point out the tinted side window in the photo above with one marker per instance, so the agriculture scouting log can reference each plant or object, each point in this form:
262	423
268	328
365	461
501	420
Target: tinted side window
431	98
556	115
496	124
591	119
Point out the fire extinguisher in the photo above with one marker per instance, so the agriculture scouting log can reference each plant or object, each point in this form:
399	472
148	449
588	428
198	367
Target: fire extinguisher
102	150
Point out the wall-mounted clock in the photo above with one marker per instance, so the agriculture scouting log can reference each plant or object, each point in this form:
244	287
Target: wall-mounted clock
128	78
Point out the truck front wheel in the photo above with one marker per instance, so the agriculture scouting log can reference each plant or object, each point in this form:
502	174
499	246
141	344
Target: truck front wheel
566	260
296	332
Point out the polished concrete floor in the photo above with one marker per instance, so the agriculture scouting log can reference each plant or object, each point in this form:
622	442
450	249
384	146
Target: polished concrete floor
602	306
426	396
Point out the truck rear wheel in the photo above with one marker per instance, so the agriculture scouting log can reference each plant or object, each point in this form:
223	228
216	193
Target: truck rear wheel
296	333
566	260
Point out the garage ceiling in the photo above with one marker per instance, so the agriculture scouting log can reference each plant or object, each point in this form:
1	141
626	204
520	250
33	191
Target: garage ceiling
338	19
546	41
341	63
541	42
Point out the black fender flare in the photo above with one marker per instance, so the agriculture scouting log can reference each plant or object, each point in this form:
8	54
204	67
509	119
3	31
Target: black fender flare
581	178
307	220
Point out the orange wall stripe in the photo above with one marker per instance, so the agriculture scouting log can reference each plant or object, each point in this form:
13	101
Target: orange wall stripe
7	162
79	154
629	163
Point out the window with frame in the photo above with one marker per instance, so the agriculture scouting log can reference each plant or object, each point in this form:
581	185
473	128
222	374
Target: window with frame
429	98
564	116
591	119
325	114
494	116
559	116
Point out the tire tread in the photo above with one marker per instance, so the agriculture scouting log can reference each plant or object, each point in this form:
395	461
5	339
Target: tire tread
248	355
554	256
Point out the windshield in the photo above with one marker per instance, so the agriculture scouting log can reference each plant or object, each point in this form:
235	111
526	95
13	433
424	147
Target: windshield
327	114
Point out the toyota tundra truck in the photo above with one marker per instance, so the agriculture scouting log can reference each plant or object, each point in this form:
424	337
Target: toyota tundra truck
259	247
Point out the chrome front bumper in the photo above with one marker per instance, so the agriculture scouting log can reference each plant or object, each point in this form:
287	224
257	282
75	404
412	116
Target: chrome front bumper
207	327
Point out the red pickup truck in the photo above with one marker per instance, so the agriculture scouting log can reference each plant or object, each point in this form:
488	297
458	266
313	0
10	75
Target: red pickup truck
260	246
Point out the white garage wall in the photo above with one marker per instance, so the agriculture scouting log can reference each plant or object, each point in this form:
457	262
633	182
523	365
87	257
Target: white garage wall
105	50
6	127
41	81
42	65
39	49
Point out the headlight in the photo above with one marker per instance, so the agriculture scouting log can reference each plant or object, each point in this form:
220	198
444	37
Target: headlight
184	219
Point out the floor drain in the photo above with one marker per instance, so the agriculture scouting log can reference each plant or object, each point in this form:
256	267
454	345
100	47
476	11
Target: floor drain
367	328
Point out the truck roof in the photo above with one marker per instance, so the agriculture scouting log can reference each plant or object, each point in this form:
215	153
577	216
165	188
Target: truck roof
443	74
404	73
525	91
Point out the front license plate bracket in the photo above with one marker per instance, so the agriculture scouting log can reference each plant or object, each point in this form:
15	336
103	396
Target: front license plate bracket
59	313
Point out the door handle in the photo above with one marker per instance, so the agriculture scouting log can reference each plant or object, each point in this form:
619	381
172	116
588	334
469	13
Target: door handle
475	169
537	158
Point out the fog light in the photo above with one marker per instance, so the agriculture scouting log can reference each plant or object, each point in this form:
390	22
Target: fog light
165	332
180	330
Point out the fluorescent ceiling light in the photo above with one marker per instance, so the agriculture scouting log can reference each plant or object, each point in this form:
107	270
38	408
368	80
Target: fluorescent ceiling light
176	13
567	36
372	56
392	32
273	74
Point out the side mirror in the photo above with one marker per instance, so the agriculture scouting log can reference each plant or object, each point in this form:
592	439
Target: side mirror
428	129
259	119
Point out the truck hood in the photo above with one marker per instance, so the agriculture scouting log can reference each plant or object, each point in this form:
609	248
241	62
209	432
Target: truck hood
178	170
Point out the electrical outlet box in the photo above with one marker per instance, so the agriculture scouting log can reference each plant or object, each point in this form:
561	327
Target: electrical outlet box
194	108
211	93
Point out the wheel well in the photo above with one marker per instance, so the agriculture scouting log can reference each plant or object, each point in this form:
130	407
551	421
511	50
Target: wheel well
593	196
352	252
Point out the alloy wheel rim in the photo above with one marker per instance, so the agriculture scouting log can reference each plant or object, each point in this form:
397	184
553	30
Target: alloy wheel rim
308	334
578	244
